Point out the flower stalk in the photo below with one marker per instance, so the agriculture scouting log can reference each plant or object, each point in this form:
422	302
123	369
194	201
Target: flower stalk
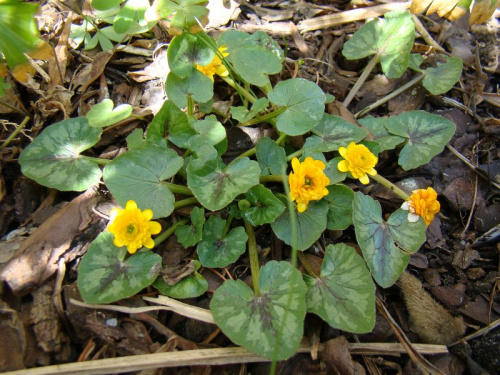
254	257
171	230
179	189
371	65
389	185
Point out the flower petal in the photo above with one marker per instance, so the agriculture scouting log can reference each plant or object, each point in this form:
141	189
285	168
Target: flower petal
343	166
131	205
154	227
364	179
147	214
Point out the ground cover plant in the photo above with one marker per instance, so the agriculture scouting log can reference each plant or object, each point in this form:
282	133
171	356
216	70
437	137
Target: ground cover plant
178	179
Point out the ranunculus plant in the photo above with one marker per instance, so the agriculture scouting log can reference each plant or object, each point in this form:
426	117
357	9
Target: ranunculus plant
181	161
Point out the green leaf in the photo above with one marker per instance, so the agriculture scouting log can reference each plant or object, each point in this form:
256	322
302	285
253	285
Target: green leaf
427	136
390	39
103	114
139	175
333	132
243	60
442	78
304	102
136	139
332	171
188	14
386	245
130	19
376	126
196	85
53	158
310	225
416	60
190	287
217	250
19	31
339	200
235	39
266	207
344	294
186	51
190	235
216	185
172	122
254	321
105	276
210	130
271	157
106	4
242	114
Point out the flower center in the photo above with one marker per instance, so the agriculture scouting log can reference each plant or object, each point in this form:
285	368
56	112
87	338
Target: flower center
308	181
131	229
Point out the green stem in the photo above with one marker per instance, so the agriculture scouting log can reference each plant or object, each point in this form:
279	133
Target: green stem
264	118
272	178
179	189
190	106
386	98
305	263
241	90
185	202
296	154
267	88
389	185
12	108
15	132
281	139
163	236
254	257
371	65
228	225
96	160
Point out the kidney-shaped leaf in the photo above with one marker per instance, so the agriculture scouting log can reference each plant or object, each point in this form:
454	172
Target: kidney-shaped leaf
103	114
386	245
310	225
186	51
53	158
216	185
442	78
376	126
139	175
244	59
105	276
344	294
339	200
391	39
254	321
189	235
265	206
196	85
304	103
217	250
333	132
427	136
271	157
191	286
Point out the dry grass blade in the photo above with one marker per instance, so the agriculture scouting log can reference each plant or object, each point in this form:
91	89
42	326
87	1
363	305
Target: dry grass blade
183	308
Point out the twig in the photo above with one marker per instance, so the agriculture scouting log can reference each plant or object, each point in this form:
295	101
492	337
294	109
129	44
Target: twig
480	332
183	308
219	356
425	34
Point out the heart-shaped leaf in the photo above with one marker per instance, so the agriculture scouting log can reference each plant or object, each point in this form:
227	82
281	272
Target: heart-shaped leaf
139	175
386	245
190	235
427	136
105	276
53	158
442	78
216	185
130	19
189	287
390	39
172	122
243	60
339	200
304	102
255	321
217	250
103	114
271	157
310	225
333	132
186	51
376	126
235	39
344	294
210	130
197	86
265	206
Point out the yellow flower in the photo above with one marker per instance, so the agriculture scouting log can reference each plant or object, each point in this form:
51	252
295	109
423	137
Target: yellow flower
359	161
133	228
307	182
424	203
216	66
